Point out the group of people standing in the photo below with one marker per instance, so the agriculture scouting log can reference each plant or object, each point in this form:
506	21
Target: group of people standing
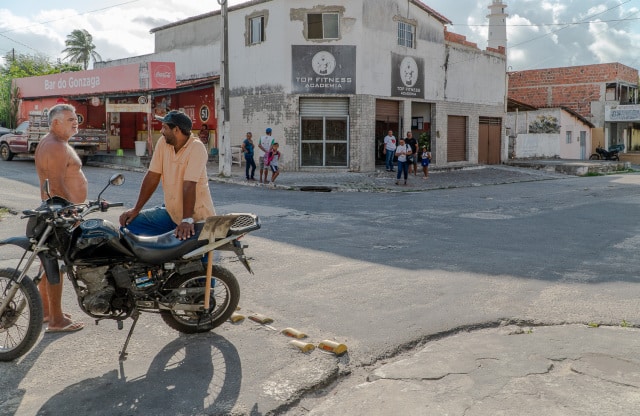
406	152
268	157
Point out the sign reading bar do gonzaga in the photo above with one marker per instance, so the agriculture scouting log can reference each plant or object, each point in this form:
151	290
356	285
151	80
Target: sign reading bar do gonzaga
132	77
323	69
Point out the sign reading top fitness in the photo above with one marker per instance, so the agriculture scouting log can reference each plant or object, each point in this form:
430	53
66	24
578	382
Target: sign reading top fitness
323	69
407	76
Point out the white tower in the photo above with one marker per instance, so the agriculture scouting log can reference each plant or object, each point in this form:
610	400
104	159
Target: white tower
497	25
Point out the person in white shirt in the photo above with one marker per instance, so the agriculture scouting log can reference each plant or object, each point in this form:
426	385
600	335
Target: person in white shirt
264	145
389	150
403	150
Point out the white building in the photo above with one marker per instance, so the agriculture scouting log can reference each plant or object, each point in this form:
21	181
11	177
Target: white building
331	79
548	133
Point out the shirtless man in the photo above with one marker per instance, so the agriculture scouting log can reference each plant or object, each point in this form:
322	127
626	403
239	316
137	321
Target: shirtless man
57	161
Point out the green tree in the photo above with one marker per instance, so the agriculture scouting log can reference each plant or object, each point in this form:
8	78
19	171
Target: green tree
22	66
80	48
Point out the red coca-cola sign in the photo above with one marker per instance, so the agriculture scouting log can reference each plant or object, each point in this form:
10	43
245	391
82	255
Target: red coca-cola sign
163	74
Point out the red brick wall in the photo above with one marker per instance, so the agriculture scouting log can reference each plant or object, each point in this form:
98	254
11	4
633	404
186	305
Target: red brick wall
573	87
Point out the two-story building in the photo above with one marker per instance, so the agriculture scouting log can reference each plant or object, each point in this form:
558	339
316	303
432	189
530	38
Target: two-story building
604	94
331	79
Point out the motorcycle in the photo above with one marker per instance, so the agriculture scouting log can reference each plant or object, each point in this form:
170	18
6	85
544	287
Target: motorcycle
602	154
116	274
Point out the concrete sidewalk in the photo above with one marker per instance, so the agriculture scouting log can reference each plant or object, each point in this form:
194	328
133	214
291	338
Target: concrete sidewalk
381	181
326	180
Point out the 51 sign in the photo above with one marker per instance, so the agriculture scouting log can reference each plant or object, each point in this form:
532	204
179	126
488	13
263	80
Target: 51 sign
204	113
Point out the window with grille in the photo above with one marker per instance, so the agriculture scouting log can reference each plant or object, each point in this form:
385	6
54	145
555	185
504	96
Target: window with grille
406	34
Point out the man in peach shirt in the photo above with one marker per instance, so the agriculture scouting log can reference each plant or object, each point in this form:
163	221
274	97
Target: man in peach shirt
180	161
56	161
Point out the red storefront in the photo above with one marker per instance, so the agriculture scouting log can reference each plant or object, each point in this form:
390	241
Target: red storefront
122	100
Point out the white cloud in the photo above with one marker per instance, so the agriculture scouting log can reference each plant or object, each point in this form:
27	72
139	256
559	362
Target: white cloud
535	40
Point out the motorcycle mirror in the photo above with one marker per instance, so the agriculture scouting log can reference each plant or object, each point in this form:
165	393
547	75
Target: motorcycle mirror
117	179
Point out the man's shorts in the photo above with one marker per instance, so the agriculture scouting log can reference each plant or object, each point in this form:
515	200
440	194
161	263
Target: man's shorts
261	161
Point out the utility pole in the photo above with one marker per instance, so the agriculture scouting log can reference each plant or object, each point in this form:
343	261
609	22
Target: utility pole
224	157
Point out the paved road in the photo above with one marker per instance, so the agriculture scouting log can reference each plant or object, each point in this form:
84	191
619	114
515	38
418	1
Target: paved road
381	272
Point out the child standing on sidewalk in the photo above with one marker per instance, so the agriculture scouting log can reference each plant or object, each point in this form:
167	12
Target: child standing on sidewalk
426	159
272	160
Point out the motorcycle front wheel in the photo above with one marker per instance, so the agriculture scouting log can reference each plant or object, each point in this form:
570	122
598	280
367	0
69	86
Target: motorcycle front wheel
21	322
594	156
225	295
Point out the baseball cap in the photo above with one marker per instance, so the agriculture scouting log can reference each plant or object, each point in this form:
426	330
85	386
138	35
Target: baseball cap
178	118
268	129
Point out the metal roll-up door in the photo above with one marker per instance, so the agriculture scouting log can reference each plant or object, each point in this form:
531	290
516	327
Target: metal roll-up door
388	111
327	107
457	139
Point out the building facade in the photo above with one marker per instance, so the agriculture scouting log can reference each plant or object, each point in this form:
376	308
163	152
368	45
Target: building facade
604	94
549	133
331	79
121	100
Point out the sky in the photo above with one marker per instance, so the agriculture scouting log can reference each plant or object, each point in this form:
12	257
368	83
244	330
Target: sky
540	33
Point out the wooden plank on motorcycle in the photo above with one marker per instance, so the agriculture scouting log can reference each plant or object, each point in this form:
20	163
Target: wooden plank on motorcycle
207	284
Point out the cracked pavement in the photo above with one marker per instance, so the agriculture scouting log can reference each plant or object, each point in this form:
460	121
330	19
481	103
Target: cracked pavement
508	370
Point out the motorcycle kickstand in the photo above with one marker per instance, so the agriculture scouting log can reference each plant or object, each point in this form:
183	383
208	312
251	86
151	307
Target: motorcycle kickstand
123	354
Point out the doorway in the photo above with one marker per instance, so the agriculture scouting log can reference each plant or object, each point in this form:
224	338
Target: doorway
128	130
489	140
387	118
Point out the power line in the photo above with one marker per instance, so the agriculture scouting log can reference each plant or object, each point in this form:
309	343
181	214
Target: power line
559	24
66	17
55	20
586	20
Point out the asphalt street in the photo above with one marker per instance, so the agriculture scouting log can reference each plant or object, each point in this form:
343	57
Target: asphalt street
392	274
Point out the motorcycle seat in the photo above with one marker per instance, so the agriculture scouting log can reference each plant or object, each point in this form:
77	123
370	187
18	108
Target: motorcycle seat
161	248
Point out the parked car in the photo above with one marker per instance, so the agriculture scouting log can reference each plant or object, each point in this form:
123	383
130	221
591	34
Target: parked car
4	130
25	138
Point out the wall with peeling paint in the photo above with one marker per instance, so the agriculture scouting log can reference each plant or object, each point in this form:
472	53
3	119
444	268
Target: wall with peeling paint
458	77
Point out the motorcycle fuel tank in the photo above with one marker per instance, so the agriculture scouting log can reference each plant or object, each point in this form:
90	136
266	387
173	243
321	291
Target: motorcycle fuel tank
97	239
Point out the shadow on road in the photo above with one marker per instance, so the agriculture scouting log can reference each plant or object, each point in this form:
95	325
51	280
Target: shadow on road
194	374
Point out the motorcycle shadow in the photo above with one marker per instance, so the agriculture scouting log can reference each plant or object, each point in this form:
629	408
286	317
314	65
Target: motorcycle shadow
194	374
11	397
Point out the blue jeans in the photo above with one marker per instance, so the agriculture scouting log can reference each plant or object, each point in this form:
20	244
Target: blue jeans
152	221
250	164
388	161
156	221
403	168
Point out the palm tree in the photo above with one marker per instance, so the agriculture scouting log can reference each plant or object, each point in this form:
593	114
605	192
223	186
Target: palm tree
80	48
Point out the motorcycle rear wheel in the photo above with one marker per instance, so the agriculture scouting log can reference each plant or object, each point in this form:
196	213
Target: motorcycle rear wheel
225	295
21	322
